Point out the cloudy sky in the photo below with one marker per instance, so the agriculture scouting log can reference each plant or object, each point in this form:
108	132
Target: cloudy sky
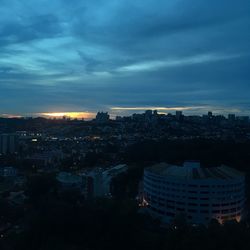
114	55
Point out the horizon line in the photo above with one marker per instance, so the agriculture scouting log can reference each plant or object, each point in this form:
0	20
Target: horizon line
196	110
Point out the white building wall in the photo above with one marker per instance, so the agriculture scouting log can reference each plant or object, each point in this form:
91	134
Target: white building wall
200	200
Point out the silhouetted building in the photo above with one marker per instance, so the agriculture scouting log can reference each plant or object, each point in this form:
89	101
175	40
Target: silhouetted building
148	115
210	114
102	117
178	115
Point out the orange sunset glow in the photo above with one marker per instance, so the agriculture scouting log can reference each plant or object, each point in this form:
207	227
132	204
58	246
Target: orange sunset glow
72	115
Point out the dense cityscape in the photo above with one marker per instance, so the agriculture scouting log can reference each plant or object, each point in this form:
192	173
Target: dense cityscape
56	174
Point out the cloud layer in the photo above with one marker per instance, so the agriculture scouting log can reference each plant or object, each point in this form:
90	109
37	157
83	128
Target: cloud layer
60	55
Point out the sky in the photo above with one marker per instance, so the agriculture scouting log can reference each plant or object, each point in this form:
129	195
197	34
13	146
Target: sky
124	56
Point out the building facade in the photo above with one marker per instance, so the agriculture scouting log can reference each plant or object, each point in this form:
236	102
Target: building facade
199	194
98	182
8	143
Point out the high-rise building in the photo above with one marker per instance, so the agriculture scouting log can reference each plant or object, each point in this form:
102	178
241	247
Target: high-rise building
8	143
178	115
196	193
102	117
148	115
210	114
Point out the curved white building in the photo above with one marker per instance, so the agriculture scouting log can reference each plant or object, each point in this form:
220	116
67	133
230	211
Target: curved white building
200	194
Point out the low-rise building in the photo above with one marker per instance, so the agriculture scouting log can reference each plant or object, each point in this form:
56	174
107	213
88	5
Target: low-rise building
69	181
98	181
8	172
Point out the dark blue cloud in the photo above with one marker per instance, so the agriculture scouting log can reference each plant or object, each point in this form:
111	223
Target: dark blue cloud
89	55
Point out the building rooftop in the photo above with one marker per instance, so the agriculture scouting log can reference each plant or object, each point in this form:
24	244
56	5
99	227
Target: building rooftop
116	169
193	171
68	178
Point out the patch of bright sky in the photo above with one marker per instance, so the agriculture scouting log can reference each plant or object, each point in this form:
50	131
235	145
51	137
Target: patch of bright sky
175	62
52	56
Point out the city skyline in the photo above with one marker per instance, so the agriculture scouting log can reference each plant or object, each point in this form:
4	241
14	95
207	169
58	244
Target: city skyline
129	111
123	57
